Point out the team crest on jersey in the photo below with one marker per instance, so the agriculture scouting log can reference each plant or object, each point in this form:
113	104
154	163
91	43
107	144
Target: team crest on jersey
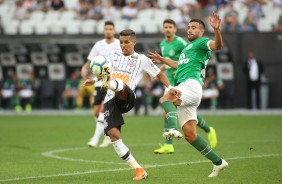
132	62
189	47
171	52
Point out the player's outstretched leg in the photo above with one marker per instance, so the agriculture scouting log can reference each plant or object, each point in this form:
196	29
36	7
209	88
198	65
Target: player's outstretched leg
124	153
212	138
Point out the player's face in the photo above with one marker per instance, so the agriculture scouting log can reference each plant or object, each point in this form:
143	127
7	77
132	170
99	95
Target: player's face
169	30
127	45
194	31
109	31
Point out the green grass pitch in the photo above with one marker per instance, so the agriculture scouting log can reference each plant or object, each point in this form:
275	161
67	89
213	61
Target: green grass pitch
53	149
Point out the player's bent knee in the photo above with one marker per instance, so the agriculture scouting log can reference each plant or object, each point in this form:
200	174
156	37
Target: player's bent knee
190	137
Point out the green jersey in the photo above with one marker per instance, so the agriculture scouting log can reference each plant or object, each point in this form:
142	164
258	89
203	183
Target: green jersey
193	61
172	51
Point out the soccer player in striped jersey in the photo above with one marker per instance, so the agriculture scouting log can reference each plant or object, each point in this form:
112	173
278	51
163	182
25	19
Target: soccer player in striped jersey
171	47
103	47
127	69
189	80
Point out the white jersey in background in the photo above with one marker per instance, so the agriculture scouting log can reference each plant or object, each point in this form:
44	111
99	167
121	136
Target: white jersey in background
102	48
130	69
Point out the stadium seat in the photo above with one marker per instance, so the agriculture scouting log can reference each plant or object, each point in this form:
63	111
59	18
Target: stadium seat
11	28
264	25
73	27
74	59
26	27
151	28
56	71
136	25
68	16
42	28
88	27
23	70
52	16
37	16
50	48
57	27
162	3
39	59
7	59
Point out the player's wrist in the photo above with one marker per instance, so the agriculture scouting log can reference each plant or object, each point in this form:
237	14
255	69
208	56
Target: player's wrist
95	79
169	87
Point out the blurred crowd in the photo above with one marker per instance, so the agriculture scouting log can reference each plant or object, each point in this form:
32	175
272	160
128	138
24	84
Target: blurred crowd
237	15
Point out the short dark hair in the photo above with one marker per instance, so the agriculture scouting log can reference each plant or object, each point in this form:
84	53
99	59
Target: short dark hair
128	32
169	21
109	23
199	21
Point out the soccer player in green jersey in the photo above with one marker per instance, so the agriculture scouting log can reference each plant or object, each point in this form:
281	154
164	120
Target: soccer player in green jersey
171	47
189	80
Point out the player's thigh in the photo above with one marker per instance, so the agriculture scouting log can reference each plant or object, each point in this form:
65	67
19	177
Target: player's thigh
186	113
191	92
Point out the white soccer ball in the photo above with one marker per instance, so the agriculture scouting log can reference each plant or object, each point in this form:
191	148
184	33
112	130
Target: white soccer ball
97	64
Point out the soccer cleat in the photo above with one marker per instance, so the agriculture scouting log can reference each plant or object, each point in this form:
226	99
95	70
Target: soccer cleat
172	132
165	149
140	174
217	168
105	78
212	137
106	142
92	144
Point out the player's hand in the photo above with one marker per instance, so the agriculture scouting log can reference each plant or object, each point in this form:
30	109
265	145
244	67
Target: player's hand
214	21
175	92
88	82
155	57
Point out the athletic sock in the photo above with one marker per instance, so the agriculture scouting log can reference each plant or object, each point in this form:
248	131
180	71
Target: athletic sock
202	123
99	128
116	85
204	148
166	127
124	153
171	114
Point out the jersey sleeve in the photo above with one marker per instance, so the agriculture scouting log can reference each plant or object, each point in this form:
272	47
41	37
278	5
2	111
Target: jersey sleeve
204	44
149	67
93	53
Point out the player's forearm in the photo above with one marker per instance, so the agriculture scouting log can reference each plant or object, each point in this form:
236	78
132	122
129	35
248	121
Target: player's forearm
169	62
218	39
163	78
85	70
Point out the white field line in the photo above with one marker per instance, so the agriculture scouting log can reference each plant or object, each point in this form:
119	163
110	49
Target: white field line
124	169
52	153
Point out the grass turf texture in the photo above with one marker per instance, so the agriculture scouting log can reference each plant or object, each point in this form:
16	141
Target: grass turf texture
251	145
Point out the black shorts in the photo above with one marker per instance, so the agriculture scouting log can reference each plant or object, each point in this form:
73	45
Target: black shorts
99	96
114	108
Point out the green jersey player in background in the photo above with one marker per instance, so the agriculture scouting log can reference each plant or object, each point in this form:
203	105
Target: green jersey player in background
171	47
189	80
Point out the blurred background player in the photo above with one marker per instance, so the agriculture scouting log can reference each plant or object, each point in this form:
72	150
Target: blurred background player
212	88
9	92
103	47
27	90
71	91
171	47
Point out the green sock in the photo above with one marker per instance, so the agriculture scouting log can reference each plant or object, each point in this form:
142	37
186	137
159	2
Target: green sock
202	123
171	114
204	148
166	127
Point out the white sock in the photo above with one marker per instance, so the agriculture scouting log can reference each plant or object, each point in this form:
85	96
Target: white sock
99	128
116	85
124	153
